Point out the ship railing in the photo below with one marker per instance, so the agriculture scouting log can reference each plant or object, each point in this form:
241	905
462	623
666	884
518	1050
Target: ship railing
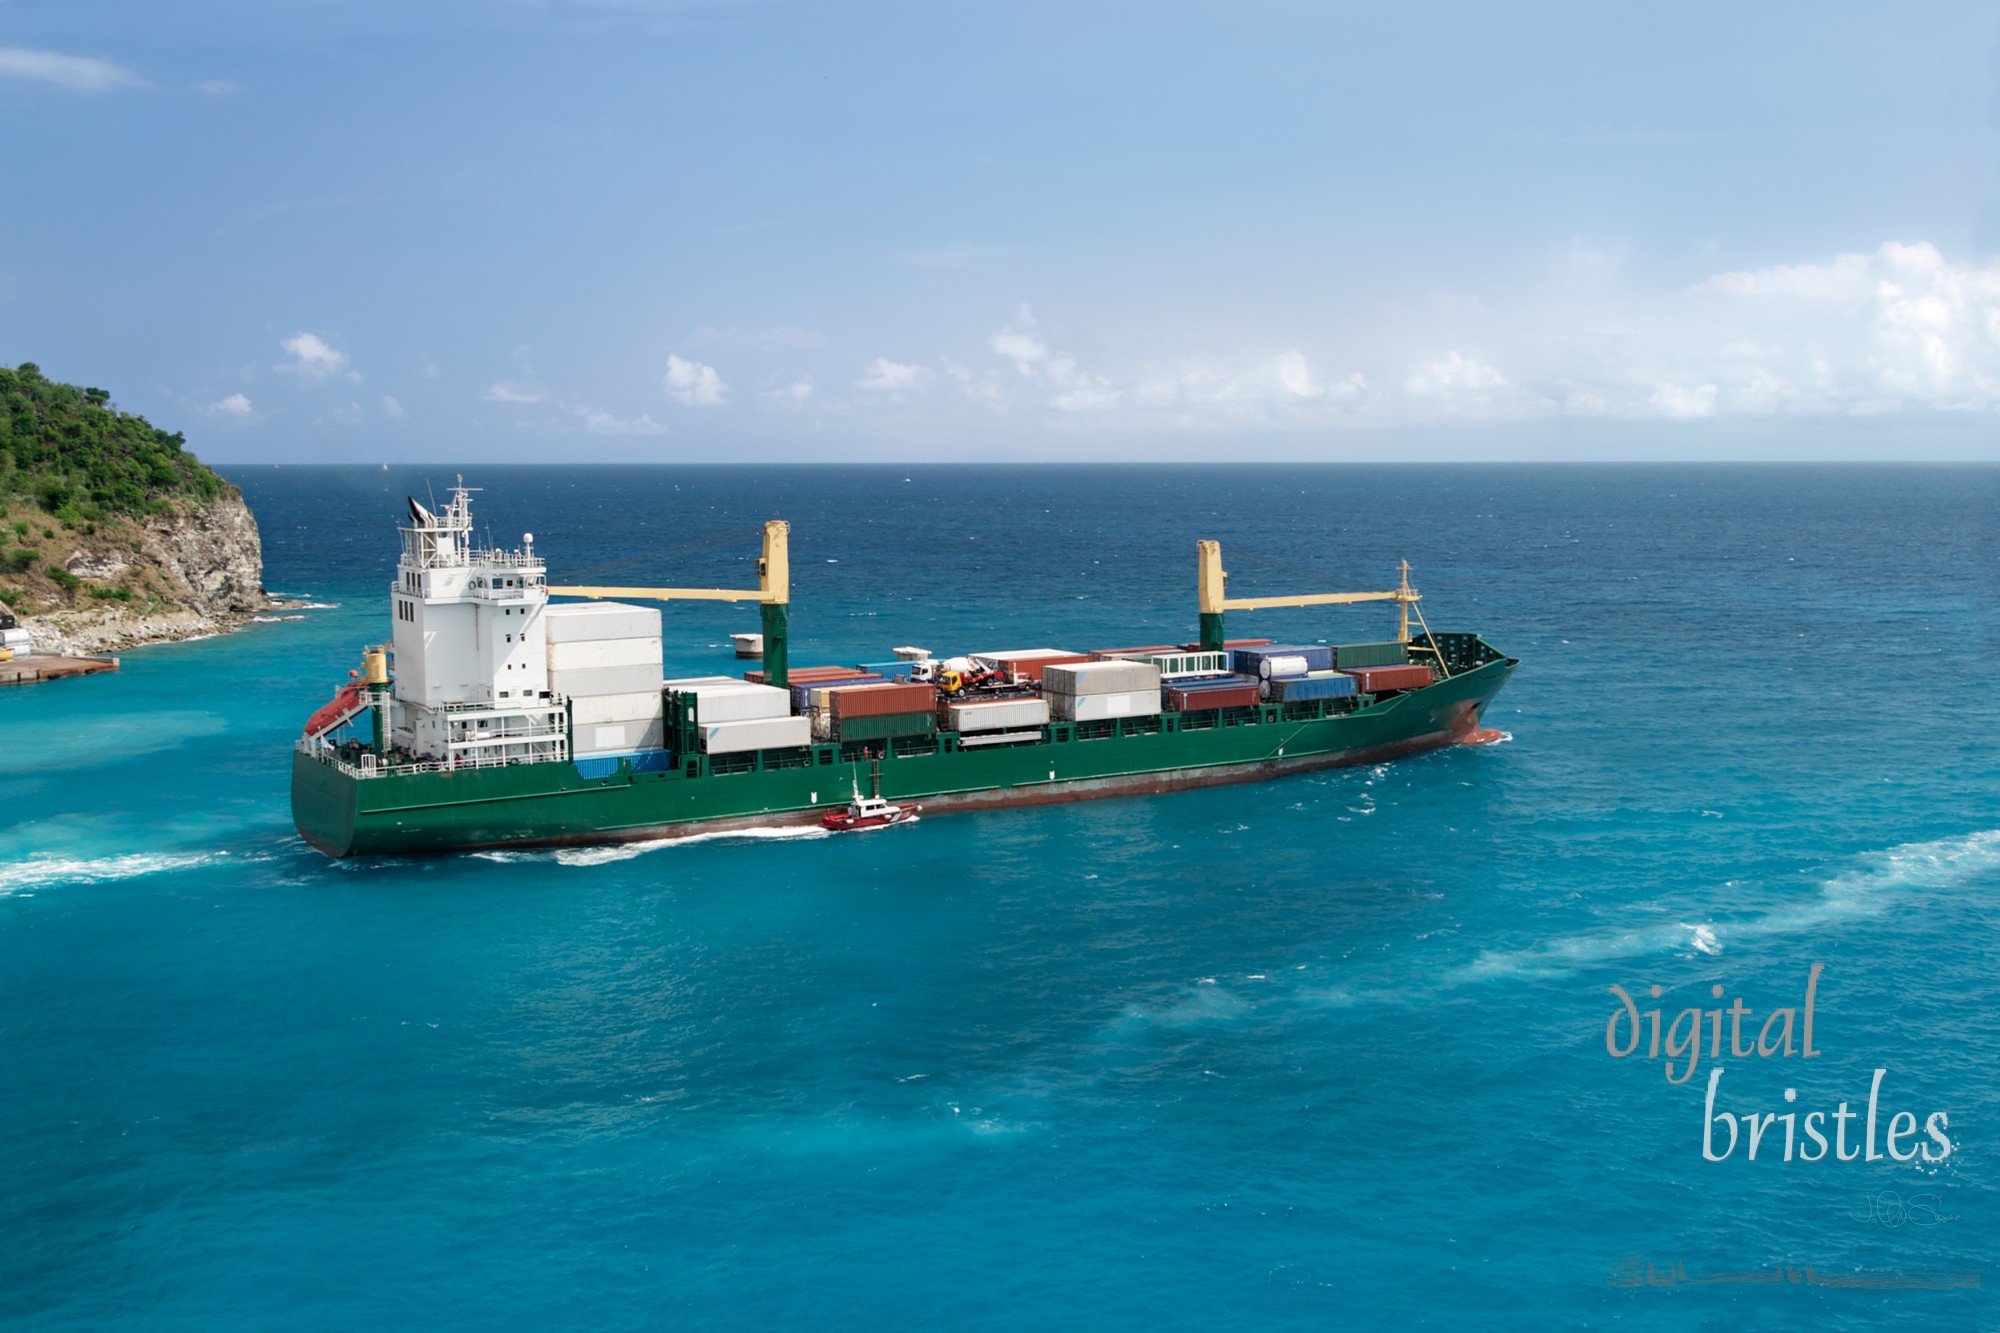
369	768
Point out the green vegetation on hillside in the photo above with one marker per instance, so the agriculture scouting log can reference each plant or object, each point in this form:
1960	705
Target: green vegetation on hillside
72	456
78	477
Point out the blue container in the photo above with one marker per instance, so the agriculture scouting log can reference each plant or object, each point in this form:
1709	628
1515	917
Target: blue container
642	761
1302	688
799	692
1248	661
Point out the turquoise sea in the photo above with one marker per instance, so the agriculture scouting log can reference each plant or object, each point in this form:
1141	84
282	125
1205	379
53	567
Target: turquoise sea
1326	1052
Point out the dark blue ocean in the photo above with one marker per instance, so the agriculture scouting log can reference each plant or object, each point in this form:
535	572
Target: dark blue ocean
1326	1052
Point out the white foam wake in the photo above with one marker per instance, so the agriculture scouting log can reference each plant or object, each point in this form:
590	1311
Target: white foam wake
48	871
1879	880
625	851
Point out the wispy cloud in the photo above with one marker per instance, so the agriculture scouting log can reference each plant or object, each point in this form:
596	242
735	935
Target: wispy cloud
314	358
235	405
692	384
508	391
218	87
795	393
599	422
392	409
81	74
885	376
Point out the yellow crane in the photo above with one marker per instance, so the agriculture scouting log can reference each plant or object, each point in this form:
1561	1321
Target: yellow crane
1213	583
773	593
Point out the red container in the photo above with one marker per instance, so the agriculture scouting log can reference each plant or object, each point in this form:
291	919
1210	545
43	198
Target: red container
876	700
1229	643
1207	701
1031	667
1382	679
1100	654
810	675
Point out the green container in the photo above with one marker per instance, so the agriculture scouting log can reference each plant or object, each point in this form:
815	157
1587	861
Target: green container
1370	654
885	726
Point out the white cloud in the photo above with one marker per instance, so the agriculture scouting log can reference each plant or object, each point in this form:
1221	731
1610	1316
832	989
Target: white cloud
1673	400
235	405
313	358
798	391
885	376
509	391
83	74
1899	329
692	384
1456	376
392	409
217	87
1020	348
1089	399
599	422
1296	376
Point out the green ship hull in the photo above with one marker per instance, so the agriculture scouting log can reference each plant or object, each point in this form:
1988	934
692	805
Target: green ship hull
344	811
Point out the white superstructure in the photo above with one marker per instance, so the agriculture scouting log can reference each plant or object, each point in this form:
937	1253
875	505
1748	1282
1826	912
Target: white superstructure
471	646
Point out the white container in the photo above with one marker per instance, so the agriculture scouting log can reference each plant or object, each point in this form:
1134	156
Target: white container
642	706
772	733
1180	664
604	680
998	715
689	682
590	654
1286	667
748	645
1022	654
909	654
741	702
18	640
620	737
1101	707
579	622
1109	677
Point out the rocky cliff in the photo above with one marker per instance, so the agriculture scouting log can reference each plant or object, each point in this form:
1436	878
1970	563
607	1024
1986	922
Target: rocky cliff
112	534
195	571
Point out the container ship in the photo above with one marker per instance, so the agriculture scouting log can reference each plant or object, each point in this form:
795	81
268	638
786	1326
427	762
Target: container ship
496	717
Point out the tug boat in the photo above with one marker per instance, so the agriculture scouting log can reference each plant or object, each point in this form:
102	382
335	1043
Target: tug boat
869	812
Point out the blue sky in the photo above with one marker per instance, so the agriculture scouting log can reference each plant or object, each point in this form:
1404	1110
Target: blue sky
309	231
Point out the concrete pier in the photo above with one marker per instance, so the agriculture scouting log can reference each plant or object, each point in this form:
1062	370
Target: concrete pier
26	670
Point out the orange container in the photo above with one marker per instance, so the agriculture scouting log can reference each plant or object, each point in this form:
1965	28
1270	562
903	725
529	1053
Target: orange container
877	700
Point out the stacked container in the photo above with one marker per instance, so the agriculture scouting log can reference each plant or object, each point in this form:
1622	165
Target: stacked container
1206	696
1382	679
822	675
1316	685
1279	660
1392	653
878	712
1096	691
811	696
602	648
1028	662
1174	663
996	715
606	657
735	716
